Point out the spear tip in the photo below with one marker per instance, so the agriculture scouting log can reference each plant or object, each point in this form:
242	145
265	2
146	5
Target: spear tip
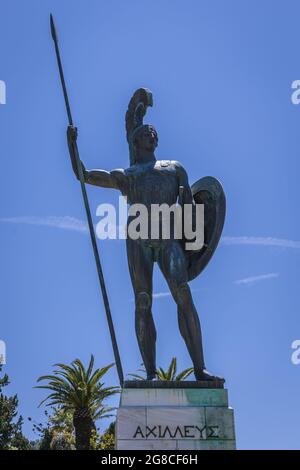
52	26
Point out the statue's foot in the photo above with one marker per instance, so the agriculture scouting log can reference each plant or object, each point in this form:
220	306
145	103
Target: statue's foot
205	375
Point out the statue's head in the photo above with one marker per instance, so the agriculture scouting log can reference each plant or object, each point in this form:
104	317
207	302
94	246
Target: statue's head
141	137
144	138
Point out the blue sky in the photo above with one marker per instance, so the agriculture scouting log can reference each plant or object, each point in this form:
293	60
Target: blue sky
221	75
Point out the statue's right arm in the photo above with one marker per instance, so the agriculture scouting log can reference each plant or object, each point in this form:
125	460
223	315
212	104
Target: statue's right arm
102	178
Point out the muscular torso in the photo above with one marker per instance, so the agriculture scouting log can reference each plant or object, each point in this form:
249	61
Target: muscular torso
155	182
151	183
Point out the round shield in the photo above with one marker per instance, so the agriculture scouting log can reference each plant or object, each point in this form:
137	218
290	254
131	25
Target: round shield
207	191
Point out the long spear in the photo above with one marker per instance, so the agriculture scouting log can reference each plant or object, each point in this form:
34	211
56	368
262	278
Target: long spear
88	213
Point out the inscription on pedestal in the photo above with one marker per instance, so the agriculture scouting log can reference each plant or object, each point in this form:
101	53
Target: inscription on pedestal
194	419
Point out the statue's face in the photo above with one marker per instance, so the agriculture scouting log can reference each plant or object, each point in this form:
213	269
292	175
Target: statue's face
146	139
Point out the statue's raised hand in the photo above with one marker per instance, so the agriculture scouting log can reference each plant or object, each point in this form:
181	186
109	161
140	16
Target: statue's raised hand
72	134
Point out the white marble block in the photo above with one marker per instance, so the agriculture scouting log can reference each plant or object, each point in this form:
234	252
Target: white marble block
174	419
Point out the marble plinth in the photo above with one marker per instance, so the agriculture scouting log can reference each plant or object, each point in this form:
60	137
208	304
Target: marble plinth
174	418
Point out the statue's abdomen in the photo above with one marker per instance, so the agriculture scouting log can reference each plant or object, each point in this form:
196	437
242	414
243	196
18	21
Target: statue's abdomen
155	187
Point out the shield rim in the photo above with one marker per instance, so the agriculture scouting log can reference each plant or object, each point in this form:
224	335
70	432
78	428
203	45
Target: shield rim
198	262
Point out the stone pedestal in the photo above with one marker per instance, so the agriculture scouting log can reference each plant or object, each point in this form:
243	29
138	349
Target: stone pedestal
174	416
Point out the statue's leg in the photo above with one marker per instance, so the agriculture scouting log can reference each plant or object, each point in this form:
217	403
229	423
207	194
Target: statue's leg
173	266
140	261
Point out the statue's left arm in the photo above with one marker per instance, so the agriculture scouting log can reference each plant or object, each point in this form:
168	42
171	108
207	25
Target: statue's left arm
185	193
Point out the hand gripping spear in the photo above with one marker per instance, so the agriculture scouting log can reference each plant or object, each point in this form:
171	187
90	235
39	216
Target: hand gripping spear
88	213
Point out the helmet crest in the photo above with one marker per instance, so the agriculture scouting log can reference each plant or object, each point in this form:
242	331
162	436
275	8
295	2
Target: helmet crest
137	108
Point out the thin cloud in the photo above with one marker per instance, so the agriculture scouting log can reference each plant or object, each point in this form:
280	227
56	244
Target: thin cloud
64	222
262	241
254	279
159	295
77	225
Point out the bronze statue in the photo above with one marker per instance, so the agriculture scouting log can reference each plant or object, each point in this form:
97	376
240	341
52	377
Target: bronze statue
150	181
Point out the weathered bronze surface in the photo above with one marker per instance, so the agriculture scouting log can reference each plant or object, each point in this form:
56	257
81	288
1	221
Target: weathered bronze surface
149	181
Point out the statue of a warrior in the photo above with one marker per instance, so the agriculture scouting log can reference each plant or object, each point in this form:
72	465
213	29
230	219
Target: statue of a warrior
150	181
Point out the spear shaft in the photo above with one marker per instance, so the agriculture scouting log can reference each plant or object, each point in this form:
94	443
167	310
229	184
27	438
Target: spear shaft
88	213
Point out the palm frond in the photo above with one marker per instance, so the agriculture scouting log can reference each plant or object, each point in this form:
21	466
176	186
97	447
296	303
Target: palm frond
73	387
184	374
98	374
136	376
90	367
161	374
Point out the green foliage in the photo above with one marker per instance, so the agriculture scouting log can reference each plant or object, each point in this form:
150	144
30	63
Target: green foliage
11	436
79	392
169	374
46	439
107	440
58	432
74	387
62	440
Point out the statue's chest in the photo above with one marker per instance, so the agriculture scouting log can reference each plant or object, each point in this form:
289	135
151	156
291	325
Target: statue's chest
153	186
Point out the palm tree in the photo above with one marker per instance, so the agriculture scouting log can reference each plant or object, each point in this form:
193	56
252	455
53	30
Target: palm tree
80	391
169	374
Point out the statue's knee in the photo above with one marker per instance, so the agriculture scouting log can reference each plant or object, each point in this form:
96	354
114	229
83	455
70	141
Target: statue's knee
143	301
183	293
